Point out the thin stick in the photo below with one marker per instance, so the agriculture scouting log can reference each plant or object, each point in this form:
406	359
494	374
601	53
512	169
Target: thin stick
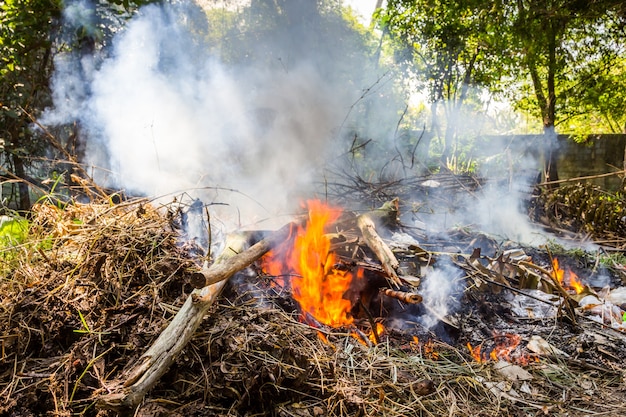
589	177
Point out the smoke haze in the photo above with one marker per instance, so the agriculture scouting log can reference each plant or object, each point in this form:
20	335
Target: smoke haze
162	115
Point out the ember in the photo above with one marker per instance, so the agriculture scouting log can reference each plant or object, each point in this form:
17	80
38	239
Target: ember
316	284
505	348
376	332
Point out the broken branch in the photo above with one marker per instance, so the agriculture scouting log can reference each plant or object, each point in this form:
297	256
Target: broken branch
238	261
404	296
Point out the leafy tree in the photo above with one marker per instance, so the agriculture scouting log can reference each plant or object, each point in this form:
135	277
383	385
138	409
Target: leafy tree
594	95
564	53
450	46
597	102
25	66
31	35
560	44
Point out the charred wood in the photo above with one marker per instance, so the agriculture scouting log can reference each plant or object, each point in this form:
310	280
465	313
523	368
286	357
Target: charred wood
404	296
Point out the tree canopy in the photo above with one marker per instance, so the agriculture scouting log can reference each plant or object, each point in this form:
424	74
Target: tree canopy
449	47
551	59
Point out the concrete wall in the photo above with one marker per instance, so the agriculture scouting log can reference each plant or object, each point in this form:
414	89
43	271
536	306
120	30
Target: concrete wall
599	154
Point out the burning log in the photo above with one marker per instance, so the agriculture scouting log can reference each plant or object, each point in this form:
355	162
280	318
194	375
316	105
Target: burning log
404	296
159	357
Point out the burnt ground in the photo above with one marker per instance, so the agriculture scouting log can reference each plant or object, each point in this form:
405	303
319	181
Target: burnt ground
93	285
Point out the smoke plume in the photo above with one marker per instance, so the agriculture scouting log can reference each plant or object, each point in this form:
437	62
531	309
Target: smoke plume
163	115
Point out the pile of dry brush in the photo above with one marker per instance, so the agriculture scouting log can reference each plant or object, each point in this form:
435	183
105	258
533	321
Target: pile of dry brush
93	285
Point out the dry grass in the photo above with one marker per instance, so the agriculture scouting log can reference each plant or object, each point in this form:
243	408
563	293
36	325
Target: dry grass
93	285
86	286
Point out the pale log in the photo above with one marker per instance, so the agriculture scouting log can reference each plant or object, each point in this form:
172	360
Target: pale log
238	261
384	254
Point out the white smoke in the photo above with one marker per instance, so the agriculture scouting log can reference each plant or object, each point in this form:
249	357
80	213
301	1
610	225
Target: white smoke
438	289
163	116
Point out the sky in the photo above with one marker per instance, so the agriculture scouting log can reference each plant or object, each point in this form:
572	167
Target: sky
364	8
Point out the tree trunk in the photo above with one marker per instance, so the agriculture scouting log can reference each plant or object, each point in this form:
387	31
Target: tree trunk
551	146
20	172
550	150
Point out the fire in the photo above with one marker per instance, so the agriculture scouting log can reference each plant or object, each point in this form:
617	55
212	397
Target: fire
567	278
575	283
316	285
376	332
476	354
430	351
505	346
427	349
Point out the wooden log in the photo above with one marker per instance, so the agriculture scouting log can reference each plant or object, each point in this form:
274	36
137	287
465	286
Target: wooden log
238	261
152	365
366	223
387	214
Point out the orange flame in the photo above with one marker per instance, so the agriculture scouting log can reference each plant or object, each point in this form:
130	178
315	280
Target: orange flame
376	332
506	344
430	351
575	282
316	285
567	278
323	338
476	354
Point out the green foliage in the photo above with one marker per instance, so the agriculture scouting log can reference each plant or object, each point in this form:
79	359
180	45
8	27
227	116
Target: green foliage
453	49
25	65
450	43
13	232
559	62
596	101
567	53
612	260
557	249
